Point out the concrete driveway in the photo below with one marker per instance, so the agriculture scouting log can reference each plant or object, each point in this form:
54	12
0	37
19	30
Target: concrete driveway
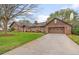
50	44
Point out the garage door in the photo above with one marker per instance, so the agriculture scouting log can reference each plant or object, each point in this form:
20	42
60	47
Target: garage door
56	30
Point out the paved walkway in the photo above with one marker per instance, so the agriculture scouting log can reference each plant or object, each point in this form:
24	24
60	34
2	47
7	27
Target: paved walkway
55	44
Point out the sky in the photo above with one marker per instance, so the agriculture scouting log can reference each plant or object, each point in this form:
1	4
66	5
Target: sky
44	10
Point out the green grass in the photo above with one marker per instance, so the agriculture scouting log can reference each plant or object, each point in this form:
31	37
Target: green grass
75	38
9	42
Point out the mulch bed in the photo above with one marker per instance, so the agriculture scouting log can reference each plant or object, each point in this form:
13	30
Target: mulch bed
6	35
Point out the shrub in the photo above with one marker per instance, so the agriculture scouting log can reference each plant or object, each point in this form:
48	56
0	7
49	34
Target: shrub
75	31
12	29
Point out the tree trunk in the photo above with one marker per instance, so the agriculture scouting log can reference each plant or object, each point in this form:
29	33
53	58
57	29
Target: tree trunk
5	27
5	21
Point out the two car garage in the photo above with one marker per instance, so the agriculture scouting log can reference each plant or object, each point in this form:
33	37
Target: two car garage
56	30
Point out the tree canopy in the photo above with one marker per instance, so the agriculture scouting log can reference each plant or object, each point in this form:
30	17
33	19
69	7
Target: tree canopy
64	14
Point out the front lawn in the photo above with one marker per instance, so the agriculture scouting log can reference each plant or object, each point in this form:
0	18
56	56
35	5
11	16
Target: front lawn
9	42
75	38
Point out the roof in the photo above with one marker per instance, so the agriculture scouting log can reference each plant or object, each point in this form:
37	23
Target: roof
38	24
11	24
59	20
21	24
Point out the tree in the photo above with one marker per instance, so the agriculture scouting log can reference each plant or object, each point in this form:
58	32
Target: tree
64	14
0	23
10	11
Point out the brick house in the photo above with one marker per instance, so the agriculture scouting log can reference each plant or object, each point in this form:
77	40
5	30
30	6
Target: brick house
20	27
53	26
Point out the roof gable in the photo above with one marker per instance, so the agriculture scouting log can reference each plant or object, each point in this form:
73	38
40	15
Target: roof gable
11	24
59	20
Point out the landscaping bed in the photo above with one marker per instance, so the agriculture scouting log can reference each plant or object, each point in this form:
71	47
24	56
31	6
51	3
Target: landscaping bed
19	38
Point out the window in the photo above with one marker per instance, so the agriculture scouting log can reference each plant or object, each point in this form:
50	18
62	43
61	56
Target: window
55	21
